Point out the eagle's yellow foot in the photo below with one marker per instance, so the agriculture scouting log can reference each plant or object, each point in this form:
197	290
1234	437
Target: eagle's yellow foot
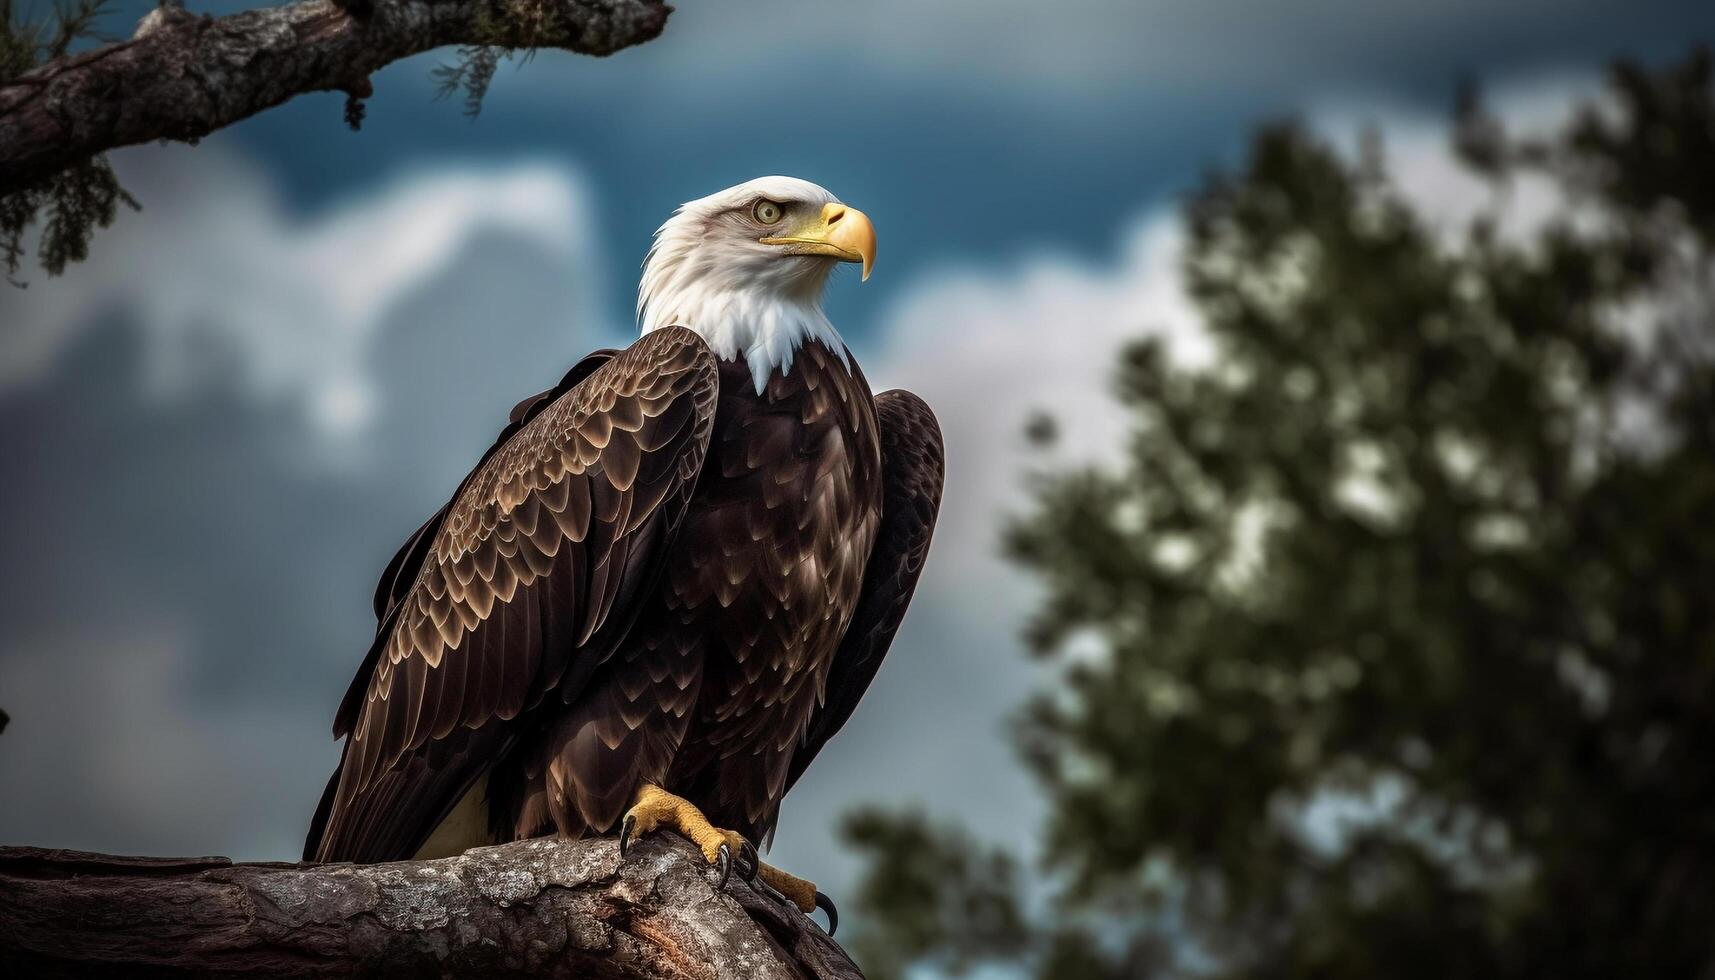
799	892
656	808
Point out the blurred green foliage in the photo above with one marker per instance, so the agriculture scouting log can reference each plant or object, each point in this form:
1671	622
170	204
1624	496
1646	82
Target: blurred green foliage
1404	604
70	204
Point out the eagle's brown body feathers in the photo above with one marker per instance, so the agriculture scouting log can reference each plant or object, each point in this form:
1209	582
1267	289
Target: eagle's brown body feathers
790	504
657	575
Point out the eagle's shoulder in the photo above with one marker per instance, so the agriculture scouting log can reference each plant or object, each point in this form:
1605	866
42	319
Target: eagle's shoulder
631	406
672	347
571	422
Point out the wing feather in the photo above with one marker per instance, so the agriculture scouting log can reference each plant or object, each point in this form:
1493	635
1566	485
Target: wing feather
913	464
557	524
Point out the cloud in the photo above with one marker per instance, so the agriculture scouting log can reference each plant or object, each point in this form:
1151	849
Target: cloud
1103	49
988	349
1446	193
220	276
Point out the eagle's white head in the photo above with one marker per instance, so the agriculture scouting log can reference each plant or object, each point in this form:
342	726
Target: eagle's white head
745	268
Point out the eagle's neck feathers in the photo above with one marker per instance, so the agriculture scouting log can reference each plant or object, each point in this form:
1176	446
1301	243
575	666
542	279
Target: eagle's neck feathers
765	332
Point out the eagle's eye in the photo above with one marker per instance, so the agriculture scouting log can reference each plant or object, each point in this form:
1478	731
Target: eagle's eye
767	212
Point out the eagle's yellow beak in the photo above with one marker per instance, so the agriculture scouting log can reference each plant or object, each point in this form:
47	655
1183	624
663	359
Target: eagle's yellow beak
843	233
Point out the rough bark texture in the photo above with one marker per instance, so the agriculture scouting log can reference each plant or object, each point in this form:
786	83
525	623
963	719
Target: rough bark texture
182	76
548	908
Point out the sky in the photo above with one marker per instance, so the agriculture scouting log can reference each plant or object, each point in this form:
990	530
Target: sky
217	430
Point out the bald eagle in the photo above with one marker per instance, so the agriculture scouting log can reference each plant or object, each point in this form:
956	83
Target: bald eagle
667	584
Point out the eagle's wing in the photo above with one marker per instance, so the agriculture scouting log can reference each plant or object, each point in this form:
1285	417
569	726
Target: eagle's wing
526	583
401	573
912	465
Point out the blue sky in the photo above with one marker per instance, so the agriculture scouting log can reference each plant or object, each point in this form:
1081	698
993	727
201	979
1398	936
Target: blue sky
218	429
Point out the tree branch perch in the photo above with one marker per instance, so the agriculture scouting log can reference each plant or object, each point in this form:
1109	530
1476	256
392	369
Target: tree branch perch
546	907
183	75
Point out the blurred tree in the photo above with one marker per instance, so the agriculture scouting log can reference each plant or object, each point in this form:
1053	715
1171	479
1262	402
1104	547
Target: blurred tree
1408	657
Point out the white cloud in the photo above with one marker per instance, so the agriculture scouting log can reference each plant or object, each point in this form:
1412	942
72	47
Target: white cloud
987	349
218	274
1445	192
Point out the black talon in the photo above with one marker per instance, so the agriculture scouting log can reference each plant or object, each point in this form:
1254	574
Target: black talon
752	863
826	904
762	885
723	861
625	829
